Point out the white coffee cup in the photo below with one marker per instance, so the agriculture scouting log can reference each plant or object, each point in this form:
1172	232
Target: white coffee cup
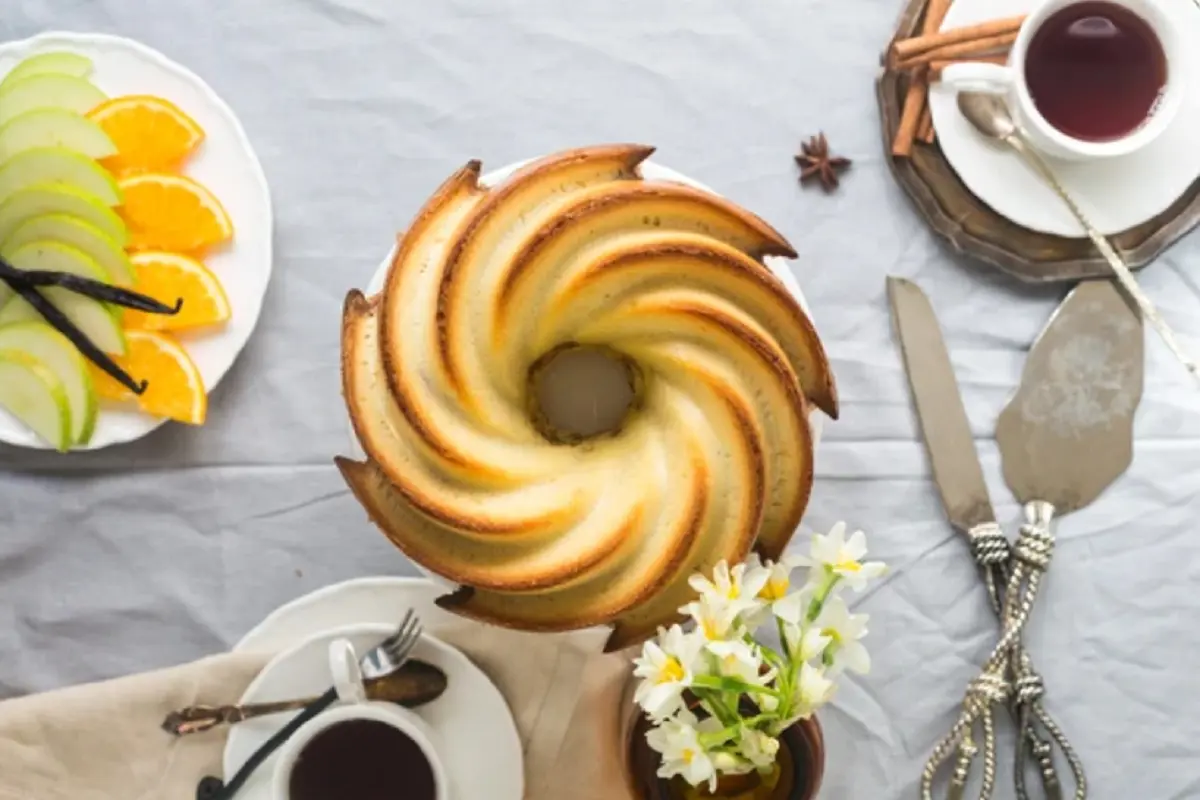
353	705
1009	80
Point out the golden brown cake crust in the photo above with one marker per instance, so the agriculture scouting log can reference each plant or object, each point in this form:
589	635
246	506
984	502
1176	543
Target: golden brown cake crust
578	249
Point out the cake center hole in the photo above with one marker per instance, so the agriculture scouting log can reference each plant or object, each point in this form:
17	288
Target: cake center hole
579	392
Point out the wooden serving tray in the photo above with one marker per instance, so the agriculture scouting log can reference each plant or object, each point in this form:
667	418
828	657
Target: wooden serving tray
973	228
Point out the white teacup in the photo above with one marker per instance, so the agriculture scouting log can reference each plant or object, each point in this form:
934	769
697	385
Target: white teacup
1009	80
347	679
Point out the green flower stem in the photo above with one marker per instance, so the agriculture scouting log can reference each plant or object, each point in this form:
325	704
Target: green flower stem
723	684
754	722
718	704
818	602
783	639
830	654
732	732
716	739
776	660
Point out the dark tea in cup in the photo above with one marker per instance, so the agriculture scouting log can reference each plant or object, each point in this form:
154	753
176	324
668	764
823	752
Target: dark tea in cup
362	759
1095	70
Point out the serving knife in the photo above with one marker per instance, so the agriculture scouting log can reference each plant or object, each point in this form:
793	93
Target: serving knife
1009	674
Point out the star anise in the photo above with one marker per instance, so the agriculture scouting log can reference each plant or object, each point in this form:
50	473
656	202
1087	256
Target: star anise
816	162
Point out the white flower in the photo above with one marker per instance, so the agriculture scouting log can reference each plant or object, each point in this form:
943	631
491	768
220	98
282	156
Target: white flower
776	580
715	619
667	667
758	748
736	588
813	690
793	609
843	557
805	644
737	659
844	631
776	577
678	741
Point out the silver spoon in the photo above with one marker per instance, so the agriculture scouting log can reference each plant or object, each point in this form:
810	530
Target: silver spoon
990	115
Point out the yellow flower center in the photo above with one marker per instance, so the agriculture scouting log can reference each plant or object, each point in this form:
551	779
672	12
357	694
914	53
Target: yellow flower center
671	672
834	636
709	626
688	755
847	565
776	589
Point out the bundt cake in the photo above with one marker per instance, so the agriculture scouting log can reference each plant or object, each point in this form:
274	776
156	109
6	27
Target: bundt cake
578	250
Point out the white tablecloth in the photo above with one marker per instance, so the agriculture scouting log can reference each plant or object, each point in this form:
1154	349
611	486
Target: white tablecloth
170	549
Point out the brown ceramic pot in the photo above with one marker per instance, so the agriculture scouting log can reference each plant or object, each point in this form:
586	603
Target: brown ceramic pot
799	769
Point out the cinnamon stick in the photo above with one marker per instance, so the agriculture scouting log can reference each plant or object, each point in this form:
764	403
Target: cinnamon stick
925	132
910	48
961	51
918	87
936	67
910	117
935	14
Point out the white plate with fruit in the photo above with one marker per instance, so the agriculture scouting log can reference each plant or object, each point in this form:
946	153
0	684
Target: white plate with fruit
121	167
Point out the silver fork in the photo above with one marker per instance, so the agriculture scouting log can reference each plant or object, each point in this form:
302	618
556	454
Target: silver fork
380	661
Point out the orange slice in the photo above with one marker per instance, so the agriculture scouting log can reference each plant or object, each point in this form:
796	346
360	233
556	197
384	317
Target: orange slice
151	134
168	277
176	390
172	212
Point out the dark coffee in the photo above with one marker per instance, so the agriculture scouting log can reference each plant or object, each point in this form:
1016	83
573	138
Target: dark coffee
1095	71
362	759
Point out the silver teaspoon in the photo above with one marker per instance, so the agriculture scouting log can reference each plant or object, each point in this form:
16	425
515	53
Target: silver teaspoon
990	115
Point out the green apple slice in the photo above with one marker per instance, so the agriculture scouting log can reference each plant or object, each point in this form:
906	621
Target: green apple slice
36	201
48	91
57	165
57	354
56	63
84	237
55	257
54	127
32	393
91	317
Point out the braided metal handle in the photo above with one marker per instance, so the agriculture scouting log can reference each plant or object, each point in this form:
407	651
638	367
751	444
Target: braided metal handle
1034	548
1012	574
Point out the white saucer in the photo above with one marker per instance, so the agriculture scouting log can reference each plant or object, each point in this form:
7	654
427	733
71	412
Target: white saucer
1116	194
225	163
474	729
362	600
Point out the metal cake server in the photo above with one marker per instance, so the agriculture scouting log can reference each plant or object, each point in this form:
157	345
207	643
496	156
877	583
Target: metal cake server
1011	583
1064	437
1067	433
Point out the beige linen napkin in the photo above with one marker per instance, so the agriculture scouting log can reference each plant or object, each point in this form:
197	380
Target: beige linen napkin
102	741
567	698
